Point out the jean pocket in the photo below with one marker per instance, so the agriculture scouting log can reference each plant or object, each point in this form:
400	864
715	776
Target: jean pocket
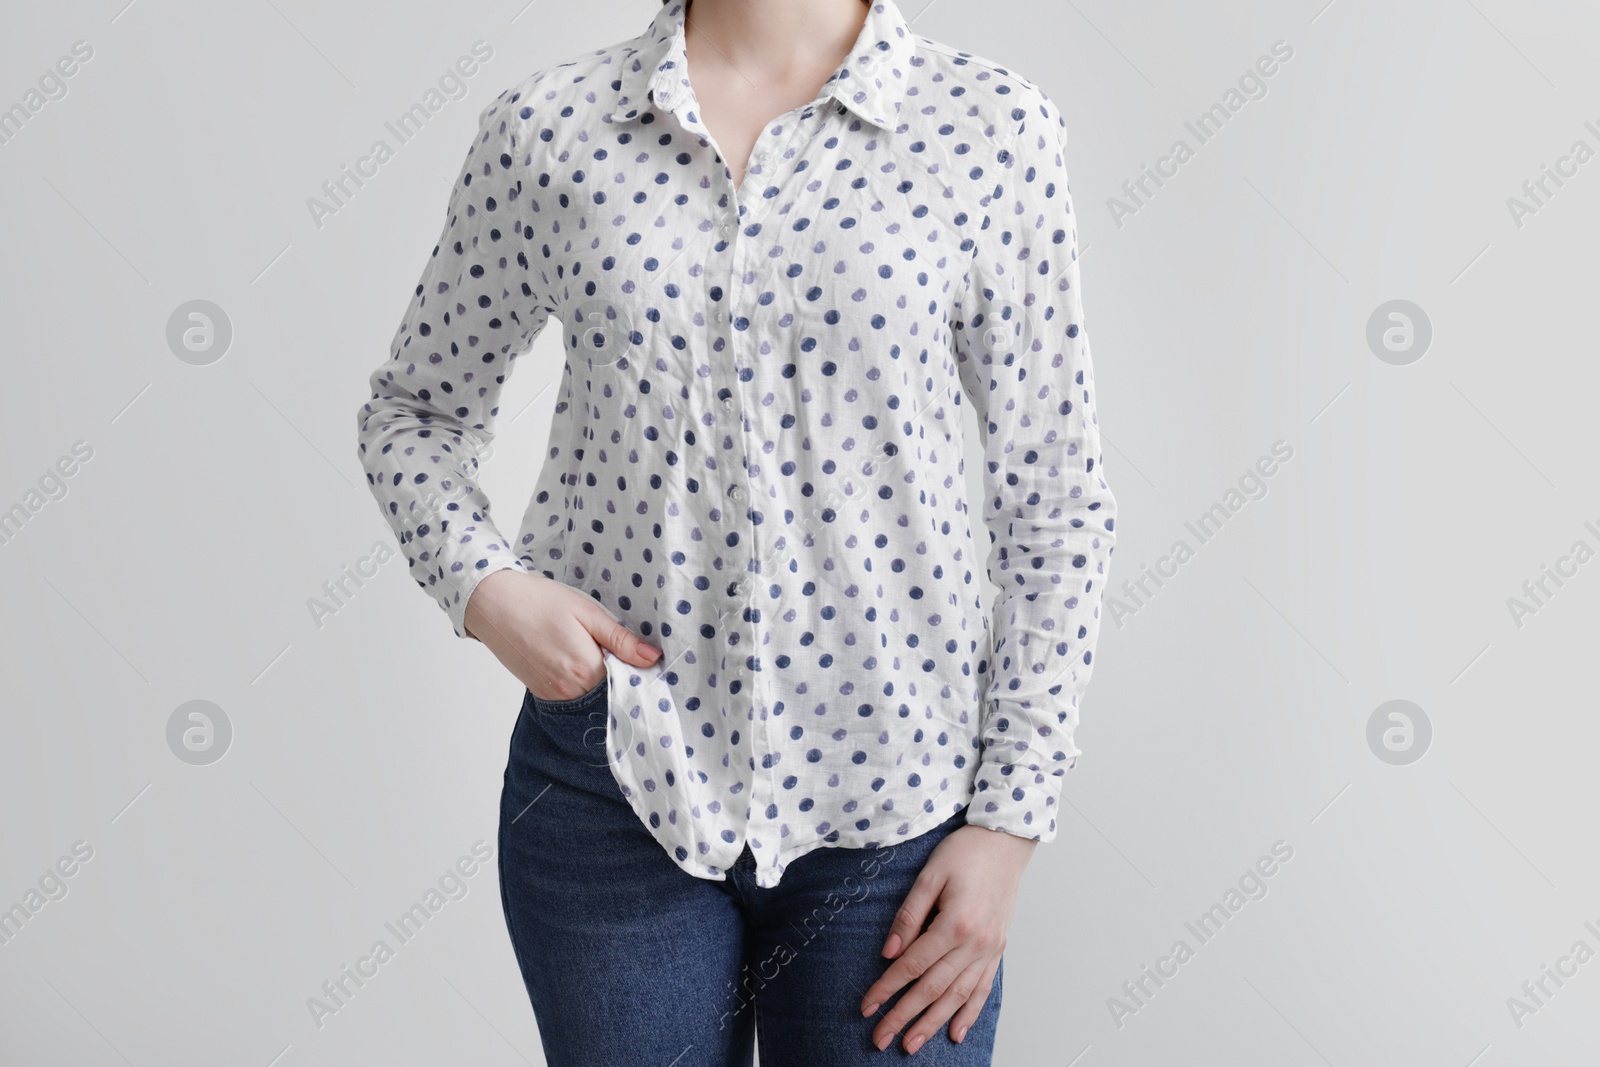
567	707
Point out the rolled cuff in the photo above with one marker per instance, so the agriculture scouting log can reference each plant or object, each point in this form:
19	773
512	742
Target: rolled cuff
466	579
1018	798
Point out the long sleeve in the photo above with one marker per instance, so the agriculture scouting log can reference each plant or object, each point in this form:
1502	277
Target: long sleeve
1024	359
476	308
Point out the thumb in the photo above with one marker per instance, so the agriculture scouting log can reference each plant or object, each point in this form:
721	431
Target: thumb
623	642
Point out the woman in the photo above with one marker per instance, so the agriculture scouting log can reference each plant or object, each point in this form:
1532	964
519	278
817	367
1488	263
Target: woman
774	770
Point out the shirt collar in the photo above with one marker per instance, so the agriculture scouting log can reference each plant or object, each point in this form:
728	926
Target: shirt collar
871	81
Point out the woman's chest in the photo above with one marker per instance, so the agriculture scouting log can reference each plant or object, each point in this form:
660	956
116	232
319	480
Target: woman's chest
833	236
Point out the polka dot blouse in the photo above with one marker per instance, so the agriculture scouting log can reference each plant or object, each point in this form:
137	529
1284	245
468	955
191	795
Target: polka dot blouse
757	455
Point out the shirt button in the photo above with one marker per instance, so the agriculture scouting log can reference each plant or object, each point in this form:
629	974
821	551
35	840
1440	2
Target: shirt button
736	493
727	403
726	230
721	316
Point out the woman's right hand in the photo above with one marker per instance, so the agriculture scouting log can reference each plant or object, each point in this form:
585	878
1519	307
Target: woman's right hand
549	634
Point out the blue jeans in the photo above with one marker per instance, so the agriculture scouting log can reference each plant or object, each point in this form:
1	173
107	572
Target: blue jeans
630	960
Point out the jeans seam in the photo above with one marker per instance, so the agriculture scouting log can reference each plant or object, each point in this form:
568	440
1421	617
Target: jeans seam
562	707
500	857
505	897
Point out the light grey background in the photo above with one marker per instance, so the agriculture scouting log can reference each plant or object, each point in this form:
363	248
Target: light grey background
1227	713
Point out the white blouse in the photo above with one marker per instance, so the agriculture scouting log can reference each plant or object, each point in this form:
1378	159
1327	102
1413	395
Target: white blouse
757	455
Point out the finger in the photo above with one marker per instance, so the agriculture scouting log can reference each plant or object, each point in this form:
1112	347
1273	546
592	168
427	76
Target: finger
927	989
969	1012
927	949
914	910
931	962
623	642
961	992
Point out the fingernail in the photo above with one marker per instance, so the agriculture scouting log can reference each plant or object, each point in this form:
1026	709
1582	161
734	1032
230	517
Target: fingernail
891	946
883	1042
915	1043
869	1009
961	1032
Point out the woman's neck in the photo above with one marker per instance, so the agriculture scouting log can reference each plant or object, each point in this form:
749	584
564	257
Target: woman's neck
770	40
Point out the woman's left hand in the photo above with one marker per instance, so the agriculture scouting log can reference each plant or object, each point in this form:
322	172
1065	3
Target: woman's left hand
970	884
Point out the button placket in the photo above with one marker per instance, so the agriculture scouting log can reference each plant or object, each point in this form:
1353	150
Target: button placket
764	742
738	589
767	147
723	318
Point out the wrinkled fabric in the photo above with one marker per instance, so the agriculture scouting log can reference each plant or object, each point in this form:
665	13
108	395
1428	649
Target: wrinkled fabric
757	460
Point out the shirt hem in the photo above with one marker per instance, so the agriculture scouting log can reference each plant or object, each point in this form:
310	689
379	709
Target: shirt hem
917	827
